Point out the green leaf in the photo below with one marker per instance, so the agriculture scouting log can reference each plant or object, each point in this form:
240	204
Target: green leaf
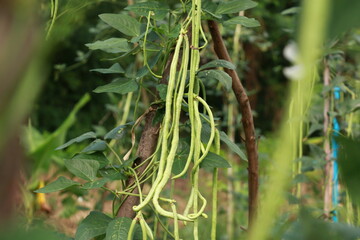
152	62
117	132
112	174
350	17
118	86
115	68
179	164
128	163
162	89
213	160
225	139
85	169
122	22
244	21
95	224
292	10
218	63
97	145
143	9
300	178
111	45
217	75
88	135
349	165
234	6
118	229
59	184
96	184
97	156
209	9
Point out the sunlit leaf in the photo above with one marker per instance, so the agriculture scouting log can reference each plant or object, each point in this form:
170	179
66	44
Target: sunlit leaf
85	169
122	22
111	45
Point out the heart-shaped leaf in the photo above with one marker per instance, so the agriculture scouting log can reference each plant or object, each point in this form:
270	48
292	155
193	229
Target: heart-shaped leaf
122	22
85	169
95	224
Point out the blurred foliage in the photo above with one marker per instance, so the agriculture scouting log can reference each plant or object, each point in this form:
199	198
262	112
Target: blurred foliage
261	61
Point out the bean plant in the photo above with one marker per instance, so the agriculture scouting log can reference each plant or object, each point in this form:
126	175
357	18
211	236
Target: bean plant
180	136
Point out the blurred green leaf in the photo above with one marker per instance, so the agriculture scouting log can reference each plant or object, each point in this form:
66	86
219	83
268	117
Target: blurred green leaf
349	164
41	152
143	9
344	15
85	136
308	227
234	6
244	21
59	184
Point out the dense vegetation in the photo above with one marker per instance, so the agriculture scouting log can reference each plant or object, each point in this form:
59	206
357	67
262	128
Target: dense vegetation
181	119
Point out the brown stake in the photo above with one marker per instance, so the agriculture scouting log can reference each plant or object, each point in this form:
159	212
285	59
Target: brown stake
327	148
247	120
